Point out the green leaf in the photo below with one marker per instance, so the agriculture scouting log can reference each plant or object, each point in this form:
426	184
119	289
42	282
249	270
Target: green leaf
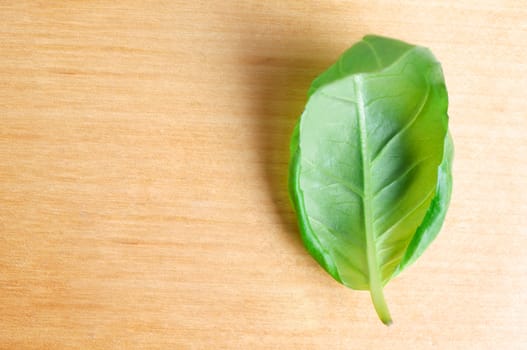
370	171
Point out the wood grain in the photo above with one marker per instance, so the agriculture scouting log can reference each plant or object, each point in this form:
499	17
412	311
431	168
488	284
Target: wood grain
143	157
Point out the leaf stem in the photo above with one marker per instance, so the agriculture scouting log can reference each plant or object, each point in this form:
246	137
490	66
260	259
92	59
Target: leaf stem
377	297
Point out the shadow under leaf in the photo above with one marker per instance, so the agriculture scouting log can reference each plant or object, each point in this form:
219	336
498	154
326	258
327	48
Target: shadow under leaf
281	73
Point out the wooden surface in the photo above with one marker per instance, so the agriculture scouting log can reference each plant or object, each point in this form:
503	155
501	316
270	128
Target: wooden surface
143	157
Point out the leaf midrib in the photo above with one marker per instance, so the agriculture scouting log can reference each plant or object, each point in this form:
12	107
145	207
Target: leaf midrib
375	280
366	183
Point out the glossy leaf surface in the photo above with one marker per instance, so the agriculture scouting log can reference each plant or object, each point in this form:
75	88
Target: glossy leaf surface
370	172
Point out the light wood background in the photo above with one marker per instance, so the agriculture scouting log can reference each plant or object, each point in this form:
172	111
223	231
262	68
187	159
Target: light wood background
143	158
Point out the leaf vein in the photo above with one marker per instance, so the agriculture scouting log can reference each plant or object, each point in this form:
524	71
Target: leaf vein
408	213
401	176
404	128
374	52
337	179
338	235
338	98
373	100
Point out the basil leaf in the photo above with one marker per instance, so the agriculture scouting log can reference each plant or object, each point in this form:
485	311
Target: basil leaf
370	171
